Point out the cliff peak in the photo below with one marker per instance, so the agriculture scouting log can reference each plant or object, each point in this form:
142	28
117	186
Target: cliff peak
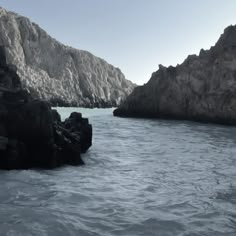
228	38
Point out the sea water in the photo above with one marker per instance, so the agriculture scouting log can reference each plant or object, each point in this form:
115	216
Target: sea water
141	177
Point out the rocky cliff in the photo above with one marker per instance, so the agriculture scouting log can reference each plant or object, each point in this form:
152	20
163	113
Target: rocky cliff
202	88
57	73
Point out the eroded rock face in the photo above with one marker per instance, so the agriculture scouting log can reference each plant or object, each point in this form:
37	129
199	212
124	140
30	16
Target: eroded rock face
31	133
54	72
202	88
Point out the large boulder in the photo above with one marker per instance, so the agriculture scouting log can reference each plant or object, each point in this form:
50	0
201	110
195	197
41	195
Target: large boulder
31	133
77	122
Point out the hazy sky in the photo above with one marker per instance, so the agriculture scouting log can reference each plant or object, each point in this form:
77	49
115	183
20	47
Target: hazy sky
134	35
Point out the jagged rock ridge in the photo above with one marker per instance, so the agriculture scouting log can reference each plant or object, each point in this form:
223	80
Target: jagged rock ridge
202	88
58	73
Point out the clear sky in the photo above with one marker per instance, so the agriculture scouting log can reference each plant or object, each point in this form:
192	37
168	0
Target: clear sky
134	35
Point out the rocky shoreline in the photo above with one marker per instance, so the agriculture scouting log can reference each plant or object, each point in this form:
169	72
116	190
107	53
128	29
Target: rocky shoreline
32	134
202	88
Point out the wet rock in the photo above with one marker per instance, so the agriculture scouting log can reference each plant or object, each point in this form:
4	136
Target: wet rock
32	134
74	123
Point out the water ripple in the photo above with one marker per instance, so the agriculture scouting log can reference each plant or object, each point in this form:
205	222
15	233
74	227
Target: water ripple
142	177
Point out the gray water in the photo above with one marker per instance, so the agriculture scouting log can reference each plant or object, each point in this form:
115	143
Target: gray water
142	177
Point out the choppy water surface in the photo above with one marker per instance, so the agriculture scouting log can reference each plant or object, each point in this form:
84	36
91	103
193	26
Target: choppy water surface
142	177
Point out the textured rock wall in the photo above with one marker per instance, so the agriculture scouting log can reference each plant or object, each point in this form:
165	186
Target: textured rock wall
57	73
202	88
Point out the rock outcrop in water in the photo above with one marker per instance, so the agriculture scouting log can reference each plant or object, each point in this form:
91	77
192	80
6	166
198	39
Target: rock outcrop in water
56	73
31	133
202	88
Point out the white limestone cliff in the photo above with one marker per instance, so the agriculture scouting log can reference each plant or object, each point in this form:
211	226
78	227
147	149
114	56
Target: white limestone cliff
58	73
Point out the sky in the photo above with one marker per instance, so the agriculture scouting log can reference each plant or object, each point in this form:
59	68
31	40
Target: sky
134	35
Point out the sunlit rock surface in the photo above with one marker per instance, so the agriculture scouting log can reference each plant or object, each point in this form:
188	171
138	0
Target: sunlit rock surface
58	73
202	88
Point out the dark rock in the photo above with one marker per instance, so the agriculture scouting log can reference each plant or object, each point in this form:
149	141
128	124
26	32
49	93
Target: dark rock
32	134
3	143
56	116
31	121
76	122
202	88
2	57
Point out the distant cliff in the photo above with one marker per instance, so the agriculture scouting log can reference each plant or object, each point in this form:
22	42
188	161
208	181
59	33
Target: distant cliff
202	88
57	73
